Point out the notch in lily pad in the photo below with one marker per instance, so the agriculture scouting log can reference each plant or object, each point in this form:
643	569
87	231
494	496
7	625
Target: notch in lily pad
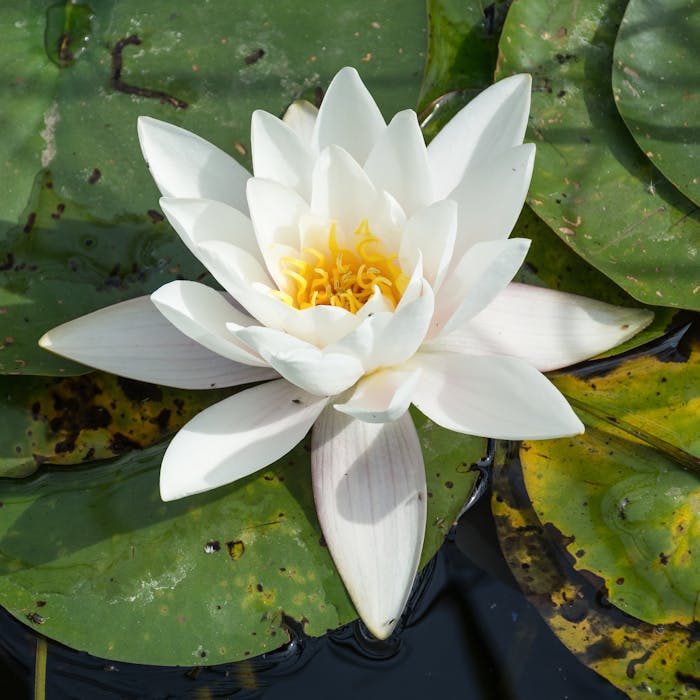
68	28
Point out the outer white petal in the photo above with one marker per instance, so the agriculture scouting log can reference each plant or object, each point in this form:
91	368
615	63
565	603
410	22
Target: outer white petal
236	437
370	493
341	191
202	313
492	122
301	118
484	270
432	233
200	220
382	396
498	397
398	163
279	154
491	197
348	117
320	372
548	329
185	165
133	339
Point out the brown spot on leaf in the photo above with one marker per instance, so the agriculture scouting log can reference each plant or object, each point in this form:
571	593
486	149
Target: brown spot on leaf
29	225
119	85
120	443
236	549
155	216
254	56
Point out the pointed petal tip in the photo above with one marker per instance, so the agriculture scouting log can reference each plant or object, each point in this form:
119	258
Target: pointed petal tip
173	489
45	341
381	630
518	83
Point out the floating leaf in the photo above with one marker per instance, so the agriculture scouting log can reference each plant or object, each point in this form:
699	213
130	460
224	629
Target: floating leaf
462	50
657	86
642	660
591	183
211	578
631	513
80	226
73	420
631	516
652	396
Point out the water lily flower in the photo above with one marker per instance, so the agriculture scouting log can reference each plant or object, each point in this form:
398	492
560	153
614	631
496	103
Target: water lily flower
363	272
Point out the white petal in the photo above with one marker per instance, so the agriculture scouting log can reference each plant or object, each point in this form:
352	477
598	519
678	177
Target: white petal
492	122
548	329
320	372
323	325
388	339
301	118
491	196
202	313
416	281
236	437
432	233
382	396
484	270
341	190
200	220
398	163
498	397
133	339
275	211
236	271
279	155
246	281
370	493
185	165
386	220
348	117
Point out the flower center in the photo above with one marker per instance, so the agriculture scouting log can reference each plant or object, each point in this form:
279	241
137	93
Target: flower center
343	277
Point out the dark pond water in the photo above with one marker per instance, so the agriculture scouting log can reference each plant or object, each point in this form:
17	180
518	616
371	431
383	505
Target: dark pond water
469	635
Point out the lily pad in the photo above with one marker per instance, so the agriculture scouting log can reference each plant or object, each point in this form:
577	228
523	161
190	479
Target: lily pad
80	225
462	50
107	567
76	420
633	479
592	185
641	659
657	86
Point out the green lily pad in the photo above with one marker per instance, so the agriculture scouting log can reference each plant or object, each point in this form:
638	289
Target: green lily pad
630	517
632	480
76	420
80	226
107	567
462	50
657	86
641	659
592	185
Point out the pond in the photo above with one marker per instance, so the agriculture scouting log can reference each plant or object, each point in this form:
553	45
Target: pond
470	634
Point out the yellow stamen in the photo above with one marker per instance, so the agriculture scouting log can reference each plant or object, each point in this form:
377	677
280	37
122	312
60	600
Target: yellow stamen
348	279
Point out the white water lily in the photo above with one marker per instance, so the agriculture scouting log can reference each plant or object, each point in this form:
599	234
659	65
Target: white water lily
369	272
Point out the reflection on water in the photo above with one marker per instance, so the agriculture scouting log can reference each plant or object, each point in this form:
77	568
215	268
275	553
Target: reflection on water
468	633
